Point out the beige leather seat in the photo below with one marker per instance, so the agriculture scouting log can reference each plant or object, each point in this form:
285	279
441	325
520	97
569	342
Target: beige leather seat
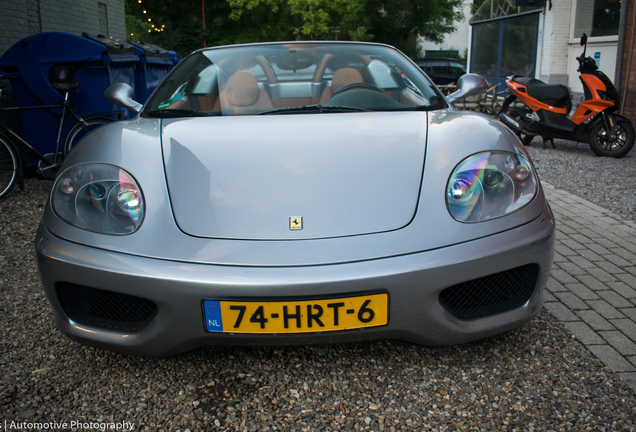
341	77
242	95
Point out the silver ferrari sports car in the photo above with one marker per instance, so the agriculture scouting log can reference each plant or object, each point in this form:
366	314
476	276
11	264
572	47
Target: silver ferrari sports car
295	193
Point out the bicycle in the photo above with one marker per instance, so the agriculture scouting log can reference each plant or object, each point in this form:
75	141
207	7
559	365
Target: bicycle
11	162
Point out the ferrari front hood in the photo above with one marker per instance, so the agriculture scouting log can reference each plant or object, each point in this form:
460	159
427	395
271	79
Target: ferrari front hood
292	177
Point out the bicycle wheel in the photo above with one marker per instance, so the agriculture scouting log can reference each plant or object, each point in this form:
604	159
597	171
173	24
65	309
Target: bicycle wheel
80	131
8	166
525	139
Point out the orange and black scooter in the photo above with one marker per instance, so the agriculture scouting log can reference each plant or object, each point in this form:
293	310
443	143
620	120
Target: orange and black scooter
547	111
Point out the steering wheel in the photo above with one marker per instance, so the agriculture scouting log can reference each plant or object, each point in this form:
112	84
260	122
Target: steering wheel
352	86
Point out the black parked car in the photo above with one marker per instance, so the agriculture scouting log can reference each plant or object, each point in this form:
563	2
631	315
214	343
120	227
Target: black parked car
442	70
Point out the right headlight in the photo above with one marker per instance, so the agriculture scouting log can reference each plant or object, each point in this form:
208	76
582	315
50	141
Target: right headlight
100	198
489	185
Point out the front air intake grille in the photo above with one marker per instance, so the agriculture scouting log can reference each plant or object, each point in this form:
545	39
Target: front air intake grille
104	309
492	294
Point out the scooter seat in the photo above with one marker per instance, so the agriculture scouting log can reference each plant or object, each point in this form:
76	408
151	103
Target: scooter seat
555	95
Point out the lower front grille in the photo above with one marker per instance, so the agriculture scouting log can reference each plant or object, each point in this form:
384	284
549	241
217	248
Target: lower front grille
106	309
492	294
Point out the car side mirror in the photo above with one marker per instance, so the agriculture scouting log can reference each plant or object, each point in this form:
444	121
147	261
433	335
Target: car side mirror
468	85
122	94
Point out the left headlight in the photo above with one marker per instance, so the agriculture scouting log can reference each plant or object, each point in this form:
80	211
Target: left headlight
490	185
100	198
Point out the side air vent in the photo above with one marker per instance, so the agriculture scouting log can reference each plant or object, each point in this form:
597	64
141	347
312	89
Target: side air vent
106	309
490	295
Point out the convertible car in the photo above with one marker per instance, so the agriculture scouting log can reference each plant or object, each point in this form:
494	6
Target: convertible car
294	193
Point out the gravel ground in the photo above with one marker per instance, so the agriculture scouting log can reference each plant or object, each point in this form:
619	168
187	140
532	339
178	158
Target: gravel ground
573	167
537	378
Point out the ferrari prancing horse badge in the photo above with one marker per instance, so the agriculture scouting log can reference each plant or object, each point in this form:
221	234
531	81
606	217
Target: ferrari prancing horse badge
295	223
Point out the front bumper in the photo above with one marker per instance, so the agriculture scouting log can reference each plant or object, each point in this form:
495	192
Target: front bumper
413	281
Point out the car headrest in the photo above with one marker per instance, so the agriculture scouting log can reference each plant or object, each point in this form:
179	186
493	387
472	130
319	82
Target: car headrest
242	89
345	76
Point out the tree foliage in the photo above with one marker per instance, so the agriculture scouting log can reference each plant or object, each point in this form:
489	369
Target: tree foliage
395	22
399	22
475	5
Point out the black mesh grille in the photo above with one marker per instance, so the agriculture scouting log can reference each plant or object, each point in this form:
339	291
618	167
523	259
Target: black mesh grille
492	294
105	309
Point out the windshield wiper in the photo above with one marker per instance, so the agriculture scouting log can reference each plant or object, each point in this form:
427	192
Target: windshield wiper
313	109
169	113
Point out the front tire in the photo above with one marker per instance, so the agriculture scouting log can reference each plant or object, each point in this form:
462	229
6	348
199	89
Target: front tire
617	146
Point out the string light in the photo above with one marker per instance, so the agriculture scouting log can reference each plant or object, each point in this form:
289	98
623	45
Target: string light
150	21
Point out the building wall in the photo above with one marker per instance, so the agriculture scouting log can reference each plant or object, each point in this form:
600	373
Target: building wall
605	51
627	86
553	43
458	40
22	18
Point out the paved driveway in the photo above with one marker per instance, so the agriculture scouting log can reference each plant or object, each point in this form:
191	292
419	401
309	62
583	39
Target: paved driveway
593	284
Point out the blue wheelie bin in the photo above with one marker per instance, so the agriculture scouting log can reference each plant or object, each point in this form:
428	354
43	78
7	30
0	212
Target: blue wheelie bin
154	64
45	66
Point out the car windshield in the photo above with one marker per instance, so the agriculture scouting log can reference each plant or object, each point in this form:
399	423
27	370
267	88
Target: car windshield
293	78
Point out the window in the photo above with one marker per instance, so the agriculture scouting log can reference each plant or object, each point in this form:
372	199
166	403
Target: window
458	70
103	18
439	68
597	18
519	46
485	49
513	54
238	81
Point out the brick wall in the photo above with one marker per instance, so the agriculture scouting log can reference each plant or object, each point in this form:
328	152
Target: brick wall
629	108
21	18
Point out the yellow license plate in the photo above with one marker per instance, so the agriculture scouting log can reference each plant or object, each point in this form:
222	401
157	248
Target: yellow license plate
296	316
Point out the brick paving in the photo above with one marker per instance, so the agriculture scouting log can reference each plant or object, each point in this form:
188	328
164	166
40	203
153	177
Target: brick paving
592	288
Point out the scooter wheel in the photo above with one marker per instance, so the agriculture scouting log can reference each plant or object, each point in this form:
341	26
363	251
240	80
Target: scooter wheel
525	139
618	145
